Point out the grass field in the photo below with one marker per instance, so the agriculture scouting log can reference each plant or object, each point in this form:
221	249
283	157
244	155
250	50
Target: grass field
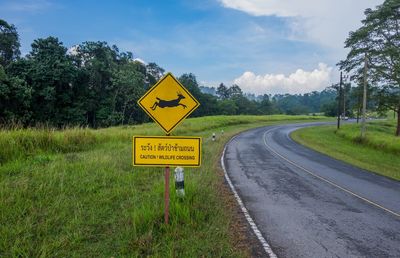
378	152
74	193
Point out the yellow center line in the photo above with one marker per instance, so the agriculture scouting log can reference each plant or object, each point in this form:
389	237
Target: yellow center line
326	180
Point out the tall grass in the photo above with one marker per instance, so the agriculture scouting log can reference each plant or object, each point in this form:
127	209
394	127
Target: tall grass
78	197
379	135
18	143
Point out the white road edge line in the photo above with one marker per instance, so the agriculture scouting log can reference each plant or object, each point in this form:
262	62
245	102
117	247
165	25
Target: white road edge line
324	179
253	225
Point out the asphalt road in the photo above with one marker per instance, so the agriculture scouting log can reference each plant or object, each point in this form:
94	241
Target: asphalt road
309	205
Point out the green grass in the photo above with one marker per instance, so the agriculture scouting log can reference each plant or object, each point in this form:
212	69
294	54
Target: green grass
74	193
20	143
378	152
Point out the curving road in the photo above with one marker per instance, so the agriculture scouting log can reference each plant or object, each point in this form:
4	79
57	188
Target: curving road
309	205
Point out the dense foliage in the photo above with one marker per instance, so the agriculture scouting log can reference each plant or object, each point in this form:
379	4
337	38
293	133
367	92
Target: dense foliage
377	43
94	84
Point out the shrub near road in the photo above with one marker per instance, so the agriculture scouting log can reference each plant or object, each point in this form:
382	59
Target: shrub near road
75	193
378	152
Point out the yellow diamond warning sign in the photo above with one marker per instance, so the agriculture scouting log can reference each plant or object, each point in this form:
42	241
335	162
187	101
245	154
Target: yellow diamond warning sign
168	103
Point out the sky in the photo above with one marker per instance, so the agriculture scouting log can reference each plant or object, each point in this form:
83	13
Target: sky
264	46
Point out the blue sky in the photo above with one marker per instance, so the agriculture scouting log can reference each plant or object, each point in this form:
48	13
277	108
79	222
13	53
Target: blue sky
265	46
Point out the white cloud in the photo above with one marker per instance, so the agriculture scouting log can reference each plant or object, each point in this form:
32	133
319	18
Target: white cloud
298	82
137	59
264	7
326	22
29	6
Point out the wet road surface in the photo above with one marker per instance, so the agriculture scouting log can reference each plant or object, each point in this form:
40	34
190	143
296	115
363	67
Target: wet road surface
309	205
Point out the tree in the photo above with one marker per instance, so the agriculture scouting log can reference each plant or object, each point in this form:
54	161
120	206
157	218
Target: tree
222	92
329	109
388	99
51	74
189	81
15	97
379	40
3	75
98	62
227	107
265	105
153	73
243	104
356	95
9	43
291	104
128	82
234	91
208	105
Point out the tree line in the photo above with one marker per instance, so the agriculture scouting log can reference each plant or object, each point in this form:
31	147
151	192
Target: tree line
95	84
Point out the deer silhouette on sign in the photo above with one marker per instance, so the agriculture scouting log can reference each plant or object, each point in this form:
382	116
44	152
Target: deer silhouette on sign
169	103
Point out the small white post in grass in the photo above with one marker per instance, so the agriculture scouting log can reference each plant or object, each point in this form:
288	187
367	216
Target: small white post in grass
222	131
179	182
213	137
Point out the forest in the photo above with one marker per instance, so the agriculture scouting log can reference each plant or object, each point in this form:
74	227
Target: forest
94	84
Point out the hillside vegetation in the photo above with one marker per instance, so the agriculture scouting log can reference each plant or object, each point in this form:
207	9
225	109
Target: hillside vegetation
74	193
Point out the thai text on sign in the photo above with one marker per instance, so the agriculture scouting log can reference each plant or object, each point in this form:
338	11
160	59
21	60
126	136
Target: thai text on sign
166	151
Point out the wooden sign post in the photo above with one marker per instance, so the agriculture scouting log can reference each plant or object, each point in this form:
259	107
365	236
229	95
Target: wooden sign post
168	103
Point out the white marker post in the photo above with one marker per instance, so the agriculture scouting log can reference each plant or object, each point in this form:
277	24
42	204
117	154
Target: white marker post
179	182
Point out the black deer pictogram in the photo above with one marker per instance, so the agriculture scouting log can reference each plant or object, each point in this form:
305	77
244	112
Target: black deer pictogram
169	103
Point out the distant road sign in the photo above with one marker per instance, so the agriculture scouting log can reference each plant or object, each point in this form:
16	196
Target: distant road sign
166	151
168	103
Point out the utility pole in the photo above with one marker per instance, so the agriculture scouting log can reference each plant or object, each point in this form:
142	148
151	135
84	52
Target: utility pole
364	110
344	99
358	103
339	103
344	102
